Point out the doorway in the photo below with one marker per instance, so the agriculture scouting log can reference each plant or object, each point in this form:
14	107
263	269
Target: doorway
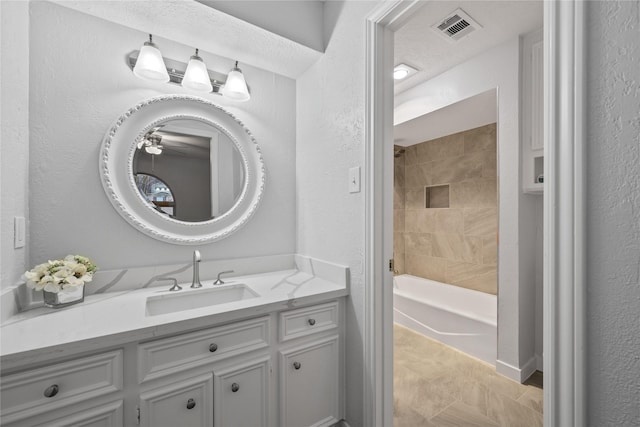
563	310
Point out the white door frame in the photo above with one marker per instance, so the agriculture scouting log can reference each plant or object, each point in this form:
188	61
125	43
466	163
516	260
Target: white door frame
564	213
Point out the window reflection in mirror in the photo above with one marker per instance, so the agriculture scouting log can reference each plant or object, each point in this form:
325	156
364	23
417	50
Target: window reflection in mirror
157	192
198	164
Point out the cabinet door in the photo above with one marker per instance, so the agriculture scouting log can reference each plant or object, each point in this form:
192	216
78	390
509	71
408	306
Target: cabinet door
185	404
310	384
241	395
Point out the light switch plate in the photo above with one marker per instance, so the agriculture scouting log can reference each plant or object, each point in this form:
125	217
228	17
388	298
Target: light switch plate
19	232
354	180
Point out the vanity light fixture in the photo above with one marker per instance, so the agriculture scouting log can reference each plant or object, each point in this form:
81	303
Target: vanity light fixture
402	71
150	64
196	76
236	86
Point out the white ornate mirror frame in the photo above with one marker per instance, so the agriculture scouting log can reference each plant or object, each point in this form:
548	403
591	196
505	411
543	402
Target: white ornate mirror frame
116	160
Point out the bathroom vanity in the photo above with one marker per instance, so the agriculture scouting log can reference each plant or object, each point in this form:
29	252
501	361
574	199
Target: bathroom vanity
273	355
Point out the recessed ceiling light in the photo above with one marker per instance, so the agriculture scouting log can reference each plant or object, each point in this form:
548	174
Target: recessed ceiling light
402	71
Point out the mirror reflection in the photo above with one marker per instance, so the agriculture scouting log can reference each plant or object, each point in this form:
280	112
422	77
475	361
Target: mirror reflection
188	170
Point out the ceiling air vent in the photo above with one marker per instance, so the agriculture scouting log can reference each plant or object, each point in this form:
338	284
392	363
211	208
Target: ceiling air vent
456	26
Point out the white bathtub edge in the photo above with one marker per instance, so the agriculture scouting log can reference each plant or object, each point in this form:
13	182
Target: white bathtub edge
517	374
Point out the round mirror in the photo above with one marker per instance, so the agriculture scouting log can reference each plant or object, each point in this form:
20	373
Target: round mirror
181	169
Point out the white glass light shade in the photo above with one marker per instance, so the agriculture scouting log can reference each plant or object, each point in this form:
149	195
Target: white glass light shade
153	149
236	87
196	76
150	65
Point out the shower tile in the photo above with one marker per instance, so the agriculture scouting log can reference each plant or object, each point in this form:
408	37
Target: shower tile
457	247
489	164
398	220
480	221
481	278
449	221
480	139
425	266
398	198
456	169
419	221
417	175
441	148
490	250
398	263
417	243
398	243
410	155
414	198
479	193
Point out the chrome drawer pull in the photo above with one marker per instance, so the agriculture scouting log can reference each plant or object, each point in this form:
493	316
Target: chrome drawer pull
235	387
51	391
191	404
312	322
297	365
213	347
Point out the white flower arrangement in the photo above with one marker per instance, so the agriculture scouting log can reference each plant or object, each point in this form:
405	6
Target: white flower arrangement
60	274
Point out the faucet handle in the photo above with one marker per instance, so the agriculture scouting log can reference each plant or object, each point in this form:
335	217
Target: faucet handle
175	286
219	280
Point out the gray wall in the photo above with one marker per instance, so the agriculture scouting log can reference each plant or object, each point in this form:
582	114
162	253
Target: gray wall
613	214
79	84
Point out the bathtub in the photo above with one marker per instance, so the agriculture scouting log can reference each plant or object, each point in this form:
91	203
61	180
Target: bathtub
461	318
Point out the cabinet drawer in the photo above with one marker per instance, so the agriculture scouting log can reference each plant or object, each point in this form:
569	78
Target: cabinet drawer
308	320
169	355
109	415
25	394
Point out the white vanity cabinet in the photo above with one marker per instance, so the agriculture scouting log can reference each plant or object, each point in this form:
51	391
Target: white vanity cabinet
66	393
310	366
283	368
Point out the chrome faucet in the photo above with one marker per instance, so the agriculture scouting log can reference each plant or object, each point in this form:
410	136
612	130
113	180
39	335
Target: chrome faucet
175	286
219	280
195	283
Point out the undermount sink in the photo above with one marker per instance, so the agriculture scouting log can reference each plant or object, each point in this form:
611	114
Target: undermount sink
191	299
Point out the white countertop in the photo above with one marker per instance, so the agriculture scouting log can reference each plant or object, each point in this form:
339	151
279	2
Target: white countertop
116	318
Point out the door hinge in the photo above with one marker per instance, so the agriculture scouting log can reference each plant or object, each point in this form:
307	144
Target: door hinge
391	264
138	415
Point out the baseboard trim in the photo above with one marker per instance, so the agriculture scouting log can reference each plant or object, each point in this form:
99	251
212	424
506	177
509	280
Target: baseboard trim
517	374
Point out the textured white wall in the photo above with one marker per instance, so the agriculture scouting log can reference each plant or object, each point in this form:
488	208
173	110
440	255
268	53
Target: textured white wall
330	134
300	21
613	215
497	68
14	134
79	85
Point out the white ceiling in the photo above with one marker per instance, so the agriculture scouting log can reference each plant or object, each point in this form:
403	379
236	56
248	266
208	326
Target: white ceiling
416	44
470	113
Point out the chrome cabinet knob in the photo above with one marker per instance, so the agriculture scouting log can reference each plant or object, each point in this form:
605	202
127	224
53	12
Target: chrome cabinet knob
312	322
213	347
191	404
51	390
297	365
235	387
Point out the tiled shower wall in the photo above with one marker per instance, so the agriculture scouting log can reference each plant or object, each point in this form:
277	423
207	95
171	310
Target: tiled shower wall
458	244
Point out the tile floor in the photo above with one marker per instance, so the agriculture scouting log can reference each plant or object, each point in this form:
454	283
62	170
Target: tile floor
436	385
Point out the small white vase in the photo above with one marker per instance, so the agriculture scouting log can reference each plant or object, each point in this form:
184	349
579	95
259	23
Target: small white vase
64	298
